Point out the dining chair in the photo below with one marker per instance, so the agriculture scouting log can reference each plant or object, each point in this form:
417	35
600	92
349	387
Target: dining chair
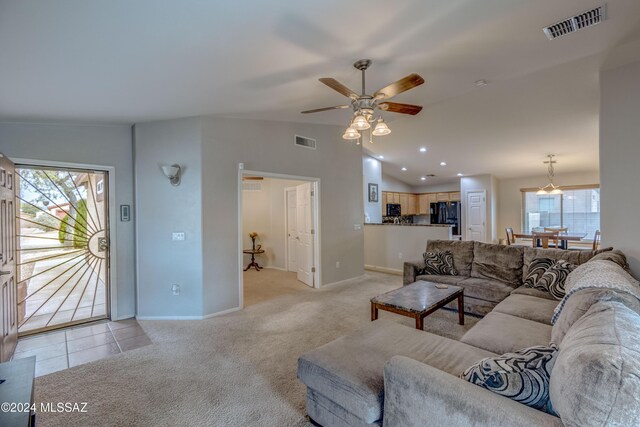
594	245
511	238
554	229
545	238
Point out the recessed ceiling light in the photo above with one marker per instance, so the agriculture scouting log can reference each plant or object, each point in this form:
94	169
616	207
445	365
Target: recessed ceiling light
381	157
459	174
423	178
481	83
443	163
404	169
423	150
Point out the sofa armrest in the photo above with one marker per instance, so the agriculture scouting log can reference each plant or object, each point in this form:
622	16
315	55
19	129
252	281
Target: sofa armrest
416	394
411	269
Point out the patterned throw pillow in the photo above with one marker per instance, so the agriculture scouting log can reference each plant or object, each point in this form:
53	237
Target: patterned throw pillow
522	376
439	263
549	275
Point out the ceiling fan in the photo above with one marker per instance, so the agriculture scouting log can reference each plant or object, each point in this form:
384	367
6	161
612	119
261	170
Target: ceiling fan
364	106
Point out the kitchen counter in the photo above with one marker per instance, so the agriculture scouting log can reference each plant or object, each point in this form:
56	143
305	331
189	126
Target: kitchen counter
410	225
387	248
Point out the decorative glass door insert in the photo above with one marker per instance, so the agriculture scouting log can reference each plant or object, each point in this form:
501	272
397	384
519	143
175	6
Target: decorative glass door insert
63	247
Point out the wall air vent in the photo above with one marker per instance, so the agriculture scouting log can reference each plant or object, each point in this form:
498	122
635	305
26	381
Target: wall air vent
252	186
582	20
303	141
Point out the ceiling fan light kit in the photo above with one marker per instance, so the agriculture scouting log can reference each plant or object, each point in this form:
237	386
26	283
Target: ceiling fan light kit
364	106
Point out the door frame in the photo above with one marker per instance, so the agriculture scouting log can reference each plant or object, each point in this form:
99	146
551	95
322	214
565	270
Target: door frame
317	256
466	225
286	226
111	191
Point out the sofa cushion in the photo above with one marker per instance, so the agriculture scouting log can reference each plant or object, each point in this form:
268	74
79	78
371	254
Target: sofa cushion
615	255
436	278
573	257
439	263
497	262
522	376
486	289
596	377
523	290
462	253
326	412
349	370
502	333
528	307
549	275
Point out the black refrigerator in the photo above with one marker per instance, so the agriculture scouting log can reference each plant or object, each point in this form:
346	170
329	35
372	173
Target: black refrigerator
446	213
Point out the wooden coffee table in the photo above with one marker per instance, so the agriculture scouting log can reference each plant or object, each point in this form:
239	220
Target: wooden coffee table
418	300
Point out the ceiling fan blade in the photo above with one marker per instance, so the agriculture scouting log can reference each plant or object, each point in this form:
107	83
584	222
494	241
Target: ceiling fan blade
339	87
395	107
317	110
402	85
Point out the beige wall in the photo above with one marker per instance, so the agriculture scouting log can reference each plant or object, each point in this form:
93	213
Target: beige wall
264	211
510	197
620	159
480	182
392	184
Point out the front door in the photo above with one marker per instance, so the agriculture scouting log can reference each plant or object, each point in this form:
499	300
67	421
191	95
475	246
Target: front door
292	230
304	225
476	216
63	251
8	260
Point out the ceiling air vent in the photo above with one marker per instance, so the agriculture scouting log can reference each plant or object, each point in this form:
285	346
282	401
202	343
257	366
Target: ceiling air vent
302	141
582	20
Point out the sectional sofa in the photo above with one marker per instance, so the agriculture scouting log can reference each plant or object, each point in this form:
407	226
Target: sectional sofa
393	375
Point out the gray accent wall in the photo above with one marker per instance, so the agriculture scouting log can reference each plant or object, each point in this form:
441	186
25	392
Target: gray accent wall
268	146
164	209
619	158
103	145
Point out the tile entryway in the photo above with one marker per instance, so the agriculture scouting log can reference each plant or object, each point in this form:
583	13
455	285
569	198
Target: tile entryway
71	347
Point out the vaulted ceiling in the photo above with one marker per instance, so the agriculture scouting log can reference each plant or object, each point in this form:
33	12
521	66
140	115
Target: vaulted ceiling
123	61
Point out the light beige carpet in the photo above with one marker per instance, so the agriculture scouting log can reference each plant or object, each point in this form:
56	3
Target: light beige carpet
269	283
233	370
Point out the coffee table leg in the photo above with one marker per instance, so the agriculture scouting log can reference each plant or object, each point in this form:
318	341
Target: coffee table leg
419	322
374	312
461	309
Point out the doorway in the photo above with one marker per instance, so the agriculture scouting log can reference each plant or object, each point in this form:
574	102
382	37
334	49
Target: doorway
281	212
63	256
476	215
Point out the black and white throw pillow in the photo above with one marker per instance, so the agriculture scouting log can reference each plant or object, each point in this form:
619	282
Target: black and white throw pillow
439	263
549	275
522	376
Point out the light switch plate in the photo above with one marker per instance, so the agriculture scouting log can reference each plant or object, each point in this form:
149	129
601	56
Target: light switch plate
177	236
357	227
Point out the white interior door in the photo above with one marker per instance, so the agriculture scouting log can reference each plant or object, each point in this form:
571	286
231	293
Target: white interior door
476	216
292	230
304	228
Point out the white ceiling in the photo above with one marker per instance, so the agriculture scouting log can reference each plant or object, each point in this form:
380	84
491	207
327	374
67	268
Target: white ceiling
123	61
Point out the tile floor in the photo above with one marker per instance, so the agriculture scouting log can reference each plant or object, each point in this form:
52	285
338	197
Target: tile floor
71	347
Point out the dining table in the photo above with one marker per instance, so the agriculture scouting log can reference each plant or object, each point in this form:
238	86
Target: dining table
563	238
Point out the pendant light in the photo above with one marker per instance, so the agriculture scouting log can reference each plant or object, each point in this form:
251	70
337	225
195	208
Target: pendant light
550	188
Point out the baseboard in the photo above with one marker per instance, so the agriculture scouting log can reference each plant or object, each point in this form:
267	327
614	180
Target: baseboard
219	313
384	270
123	317
343	281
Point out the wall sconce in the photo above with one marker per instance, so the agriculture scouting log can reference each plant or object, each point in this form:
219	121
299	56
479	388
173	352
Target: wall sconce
173	172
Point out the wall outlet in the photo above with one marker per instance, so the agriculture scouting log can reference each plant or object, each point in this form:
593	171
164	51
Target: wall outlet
177	236
399	255
357	227
175	289
337	264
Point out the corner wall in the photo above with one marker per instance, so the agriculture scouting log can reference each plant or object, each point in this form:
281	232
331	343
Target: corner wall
619	160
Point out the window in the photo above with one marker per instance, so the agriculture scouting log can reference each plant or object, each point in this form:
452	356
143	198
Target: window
576	209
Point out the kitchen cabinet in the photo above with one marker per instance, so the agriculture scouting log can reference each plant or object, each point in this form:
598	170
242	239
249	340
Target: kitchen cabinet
384	203
454	197
432	197
412	204
395	198
423	204
442	197
404	203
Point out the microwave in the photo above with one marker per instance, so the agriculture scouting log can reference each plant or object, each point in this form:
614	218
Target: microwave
393	209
